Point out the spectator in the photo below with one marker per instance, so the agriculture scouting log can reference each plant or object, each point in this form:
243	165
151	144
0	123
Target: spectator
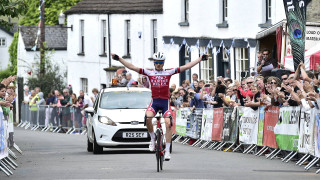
267	64
207	94
184	85
144	82
5	105
194	78
196	86
134	84
179	101
174	87
254	103
86	100
247	92
95	93
227	81
26	95
129	79
196	101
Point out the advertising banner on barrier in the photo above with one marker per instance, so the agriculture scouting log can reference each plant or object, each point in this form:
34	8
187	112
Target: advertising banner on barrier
287	128
317	133
10	129
270	120
217	124
181	121
260	125
3	136
248	126
195	124
306	140
206	127
227	124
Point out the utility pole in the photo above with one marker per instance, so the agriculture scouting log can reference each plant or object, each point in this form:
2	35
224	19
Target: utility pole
42	38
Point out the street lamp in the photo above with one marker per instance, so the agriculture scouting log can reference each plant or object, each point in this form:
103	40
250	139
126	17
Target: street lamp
62	21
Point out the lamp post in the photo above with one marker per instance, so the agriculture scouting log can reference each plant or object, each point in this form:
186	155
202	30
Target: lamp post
62	18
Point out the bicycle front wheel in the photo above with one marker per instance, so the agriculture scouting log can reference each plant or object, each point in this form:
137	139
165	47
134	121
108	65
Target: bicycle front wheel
158	149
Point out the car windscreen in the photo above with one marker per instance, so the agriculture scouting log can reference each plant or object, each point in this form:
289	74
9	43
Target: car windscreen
125	100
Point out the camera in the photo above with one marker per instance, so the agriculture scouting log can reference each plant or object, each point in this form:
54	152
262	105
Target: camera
219	82
207	85
191	93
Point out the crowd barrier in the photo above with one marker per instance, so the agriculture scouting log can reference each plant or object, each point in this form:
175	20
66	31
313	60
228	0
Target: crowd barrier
68	120
288	131
7	164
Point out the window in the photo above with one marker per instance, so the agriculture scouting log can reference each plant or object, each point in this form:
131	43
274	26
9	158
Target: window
225	10
84	85
268	10
154	37
223	14
2	42
185	13
207	68
242	63
128	38
81	37
104	37
186	10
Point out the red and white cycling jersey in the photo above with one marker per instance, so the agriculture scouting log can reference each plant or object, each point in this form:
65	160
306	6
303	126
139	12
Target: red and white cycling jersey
159	81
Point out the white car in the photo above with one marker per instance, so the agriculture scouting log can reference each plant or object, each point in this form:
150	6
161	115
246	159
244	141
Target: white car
117	119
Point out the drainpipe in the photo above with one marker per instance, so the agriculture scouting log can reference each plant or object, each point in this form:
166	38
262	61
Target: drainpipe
109	44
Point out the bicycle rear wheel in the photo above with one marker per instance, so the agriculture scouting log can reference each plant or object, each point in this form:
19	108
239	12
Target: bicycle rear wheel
158	149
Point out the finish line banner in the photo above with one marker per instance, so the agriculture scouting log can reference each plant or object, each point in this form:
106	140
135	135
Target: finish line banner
296	18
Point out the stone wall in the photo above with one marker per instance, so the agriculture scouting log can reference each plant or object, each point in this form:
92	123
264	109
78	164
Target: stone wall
313	11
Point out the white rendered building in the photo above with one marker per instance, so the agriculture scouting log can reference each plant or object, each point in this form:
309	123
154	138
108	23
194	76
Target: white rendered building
131	29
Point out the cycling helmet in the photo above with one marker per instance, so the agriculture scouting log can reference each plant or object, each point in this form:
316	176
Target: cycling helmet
159	56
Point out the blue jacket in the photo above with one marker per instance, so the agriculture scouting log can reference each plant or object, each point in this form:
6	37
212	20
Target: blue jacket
196	101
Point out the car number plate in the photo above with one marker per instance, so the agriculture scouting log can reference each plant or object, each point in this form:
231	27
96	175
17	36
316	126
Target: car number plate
135	135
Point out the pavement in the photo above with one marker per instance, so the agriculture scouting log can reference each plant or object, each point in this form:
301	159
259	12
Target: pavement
59	156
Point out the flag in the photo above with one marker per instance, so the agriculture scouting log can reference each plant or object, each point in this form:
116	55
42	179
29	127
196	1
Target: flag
296	19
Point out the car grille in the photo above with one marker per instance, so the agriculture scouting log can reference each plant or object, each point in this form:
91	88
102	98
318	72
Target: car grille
118	136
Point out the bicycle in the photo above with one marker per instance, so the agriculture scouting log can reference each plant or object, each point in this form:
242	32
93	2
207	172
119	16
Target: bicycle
160	144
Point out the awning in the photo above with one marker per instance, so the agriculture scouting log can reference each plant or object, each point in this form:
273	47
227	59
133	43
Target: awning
312	57
270	30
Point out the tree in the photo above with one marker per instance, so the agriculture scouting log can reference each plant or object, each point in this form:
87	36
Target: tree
11	8
53	8
51	80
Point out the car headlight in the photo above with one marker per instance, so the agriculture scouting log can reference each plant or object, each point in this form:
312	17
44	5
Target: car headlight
106	120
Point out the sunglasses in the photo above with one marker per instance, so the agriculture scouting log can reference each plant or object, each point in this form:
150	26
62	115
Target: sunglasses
265	54
273	83
284	79
158	62
291	78
249	82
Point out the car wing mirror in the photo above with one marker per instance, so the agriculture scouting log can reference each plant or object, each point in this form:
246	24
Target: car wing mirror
89	110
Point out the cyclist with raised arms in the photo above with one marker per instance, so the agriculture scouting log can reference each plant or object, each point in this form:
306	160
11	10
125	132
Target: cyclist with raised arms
159	82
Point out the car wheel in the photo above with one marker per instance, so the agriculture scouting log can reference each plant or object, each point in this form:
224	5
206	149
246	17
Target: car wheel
96	148
89	146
